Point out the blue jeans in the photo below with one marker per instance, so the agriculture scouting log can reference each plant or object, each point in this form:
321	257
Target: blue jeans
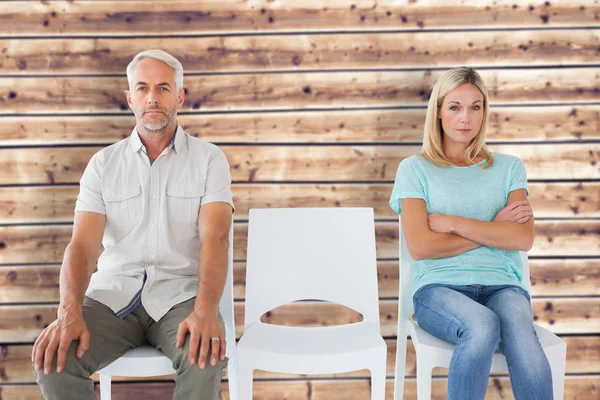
479	319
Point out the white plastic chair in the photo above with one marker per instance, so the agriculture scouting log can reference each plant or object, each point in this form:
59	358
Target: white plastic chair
433	352
311	253
149	361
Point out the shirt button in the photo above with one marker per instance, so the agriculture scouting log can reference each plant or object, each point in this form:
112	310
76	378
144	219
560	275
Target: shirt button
153	226
154	196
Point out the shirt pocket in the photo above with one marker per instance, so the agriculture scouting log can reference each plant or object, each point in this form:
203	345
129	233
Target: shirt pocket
183	202
124	205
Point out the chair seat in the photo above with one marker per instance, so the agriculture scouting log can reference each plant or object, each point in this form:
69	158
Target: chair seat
296	349
141	361
443	350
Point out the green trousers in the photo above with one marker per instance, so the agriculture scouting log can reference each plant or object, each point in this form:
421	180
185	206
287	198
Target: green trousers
111	337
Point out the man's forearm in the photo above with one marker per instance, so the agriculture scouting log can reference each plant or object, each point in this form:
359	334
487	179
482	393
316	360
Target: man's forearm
75	274
212	274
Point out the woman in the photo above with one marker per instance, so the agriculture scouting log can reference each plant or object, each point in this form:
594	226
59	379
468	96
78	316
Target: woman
465	216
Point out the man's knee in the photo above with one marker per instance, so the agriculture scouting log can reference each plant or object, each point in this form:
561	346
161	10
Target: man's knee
181	362
190	378
74	367
214	371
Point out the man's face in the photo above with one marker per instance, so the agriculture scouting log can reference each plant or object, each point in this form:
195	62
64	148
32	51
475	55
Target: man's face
152	94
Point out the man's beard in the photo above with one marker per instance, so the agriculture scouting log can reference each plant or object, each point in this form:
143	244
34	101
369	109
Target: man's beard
155	126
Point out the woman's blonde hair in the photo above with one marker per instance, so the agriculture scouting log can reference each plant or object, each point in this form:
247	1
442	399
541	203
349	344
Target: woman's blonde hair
433	133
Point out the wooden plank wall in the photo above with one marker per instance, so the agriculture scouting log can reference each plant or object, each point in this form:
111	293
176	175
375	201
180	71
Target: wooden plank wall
315	103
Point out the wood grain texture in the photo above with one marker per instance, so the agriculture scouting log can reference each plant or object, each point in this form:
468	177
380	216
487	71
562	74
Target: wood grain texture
584	359
314	103
331	51
576	388
288	91
303	163
46	244
23	18
22	324
547	124
44	204
549	277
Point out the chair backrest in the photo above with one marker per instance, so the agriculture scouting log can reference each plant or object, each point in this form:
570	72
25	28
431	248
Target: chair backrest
226	303
405	306
311	253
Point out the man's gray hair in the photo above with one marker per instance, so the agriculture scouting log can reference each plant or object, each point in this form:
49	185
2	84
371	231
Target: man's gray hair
161	56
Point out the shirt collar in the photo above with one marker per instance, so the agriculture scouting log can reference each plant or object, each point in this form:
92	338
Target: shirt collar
179	138
134	141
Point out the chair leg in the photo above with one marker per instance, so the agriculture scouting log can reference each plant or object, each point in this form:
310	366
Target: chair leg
105	388
245	372
400	367
424	371
558	366
378	375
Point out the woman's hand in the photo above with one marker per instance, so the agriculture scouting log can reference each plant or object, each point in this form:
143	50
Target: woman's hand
440	223
517	211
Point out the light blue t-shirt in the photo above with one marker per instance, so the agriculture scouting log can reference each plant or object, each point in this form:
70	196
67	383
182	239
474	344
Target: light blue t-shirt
471	192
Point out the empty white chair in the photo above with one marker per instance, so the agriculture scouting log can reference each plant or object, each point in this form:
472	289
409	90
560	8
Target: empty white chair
311	253
433	352
149	361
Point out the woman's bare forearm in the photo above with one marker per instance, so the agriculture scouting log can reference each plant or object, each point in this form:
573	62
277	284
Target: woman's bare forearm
441	245
503	235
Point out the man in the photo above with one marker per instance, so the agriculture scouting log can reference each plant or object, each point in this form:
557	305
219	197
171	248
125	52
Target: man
151	200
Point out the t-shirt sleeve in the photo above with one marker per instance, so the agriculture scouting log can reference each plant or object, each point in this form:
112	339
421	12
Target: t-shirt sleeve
90	187
218	180
518	179
407	185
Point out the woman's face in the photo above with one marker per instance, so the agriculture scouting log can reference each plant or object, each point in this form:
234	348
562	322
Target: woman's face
461	113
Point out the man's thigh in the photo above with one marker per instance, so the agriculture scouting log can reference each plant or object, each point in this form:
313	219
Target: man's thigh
110	336
163	334
192	382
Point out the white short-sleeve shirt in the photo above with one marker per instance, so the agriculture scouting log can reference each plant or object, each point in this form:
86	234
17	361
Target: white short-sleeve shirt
151	219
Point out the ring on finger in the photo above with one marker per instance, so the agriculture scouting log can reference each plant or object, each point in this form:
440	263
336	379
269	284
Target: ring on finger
215	339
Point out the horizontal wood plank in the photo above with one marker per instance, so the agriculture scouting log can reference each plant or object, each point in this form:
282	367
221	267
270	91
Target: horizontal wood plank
44	204
332	51
24	18
548	123
576	388
287	91
303	163
583	357
46	244
22	324
552	277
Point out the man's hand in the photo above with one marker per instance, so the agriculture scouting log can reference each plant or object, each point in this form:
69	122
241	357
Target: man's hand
517	211
202	328
58	335
440	223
